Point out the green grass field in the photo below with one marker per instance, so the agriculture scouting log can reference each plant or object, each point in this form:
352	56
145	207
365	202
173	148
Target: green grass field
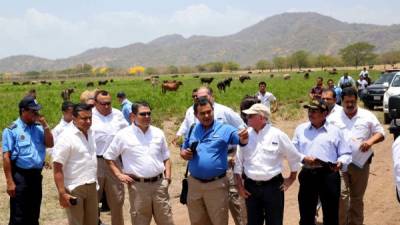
173	104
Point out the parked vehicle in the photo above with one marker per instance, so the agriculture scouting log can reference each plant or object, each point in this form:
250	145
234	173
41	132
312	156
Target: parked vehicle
375	92
393	90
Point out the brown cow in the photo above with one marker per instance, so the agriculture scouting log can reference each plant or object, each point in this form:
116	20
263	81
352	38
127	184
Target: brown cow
66	94
170	86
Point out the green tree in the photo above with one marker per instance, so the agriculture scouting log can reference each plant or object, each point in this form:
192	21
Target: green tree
214	66
324	61
357	54
172	69
299	59
279	62
263	65
231	66
391	57
150	71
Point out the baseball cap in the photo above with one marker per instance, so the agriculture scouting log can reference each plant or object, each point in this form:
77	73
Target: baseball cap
317	104
258	108
29	102
121	94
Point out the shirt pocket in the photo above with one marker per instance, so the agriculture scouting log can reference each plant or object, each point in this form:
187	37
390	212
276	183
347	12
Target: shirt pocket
24	148
270	150
155	145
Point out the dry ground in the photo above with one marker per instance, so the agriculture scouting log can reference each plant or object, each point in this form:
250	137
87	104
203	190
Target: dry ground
381	207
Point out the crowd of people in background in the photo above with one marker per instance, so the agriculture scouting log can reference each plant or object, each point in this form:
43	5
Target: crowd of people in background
235	163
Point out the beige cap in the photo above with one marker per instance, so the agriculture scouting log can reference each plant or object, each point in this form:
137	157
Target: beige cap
259	109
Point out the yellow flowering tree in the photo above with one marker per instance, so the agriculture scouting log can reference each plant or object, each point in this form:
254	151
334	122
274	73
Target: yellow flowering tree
136	70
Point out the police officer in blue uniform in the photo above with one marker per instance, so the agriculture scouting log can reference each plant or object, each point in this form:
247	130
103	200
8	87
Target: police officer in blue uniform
24	151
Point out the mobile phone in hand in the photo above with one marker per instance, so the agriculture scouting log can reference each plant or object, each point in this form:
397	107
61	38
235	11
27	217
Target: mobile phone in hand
73	200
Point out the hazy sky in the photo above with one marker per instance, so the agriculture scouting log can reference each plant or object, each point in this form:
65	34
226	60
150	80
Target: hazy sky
61	28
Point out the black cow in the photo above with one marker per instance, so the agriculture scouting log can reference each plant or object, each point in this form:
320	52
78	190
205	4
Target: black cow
90	84
242	78
102	82
221	86
66	94
206	80
228	81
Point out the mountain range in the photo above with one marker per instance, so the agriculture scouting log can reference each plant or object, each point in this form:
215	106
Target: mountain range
277	35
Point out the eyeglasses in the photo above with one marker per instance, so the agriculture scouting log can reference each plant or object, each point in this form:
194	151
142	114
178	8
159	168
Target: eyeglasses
104	103
145	113
325	99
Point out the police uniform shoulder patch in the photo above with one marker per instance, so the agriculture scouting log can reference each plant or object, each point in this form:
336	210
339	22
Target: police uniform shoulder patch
12	126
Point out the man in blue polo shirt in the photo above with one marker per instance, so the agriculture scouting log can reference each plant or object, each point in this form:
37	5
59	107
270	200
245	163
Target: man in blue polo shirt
206	149
24	151
126	106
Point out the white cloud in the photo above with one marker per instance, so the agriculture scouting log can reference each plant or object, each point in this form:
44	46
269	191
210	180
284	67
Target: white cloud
46	35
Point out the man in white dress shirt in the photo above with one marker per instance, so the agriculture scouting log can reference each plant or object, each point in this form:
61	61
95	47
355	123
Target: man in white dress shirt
260	163
396	165
325	143
361	131
107	121
147	167
226	115
66	120
329	96
75	169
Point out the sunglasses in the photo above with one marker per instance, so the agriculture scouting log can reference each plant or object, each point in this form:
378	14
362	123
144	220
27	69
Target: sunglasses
145	113
105	103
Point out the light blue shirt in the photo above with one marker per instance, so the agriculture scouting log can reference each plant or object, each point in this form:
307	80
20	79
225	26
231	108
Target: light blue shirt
26	144
325	143
210	159
126	108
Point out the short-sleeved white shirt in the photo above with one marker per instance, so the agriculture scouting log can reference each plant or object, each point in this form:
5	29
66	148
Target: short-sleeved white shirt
78	157
261	159
57	130
143	154
361	127
105	128
266	98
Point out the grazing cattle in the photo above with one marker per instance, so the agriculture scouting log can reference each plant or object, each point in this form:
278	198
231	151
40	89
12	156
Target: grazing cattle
90	84
271	75
154	82
49	83
309	70
43	82
228	81
333	71
206	80
15	83
102	82
306	76
371	67
286	76
34	82
174	76
66	94
196	76
242	78
147	79
111	80
221	86
62	81
155	76
249	72
170	86
26	82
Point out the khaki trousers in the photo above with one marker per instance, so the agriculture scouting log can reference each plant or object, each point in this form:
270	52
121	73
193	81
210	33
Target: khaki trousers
353	185
85	212
150	199
114	190
208	202
237	205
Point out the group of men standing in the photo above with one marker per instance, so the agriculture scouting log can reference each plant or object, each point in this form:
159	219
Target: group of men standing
98	151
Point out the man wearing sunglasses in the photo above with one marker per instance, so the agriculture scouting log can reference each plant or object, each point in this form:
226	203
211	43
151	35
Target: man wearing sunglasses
106	122
147	168
24	150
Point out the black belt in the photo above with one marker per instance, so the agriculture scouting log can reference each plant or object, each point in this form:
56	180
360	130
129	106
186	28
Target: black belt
276	179
100	156
210	179
323	169
146	180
